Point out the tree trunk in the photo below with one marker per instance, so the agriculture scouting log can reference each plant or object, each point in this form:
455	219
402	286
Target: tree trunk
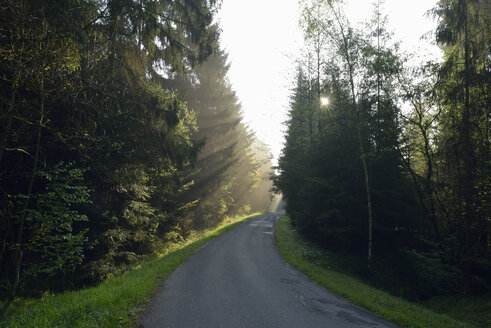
467	148
318	52
310	106
360	140
18	253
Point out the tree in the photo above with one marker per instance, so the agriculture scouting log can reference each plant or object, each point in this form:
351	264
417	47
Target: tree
435	151
337	29
417	147
464	32
79	84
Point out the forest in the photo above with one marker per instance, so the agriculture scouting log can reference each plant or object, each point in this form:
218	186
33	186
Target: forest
389	161
120	133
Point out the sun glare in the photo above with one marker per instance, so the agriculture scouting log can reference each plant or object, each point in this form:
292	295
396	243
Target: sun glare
265	101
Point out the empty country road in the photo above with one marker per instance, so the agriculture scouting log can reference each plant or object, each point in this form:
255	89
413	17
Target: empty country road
239	280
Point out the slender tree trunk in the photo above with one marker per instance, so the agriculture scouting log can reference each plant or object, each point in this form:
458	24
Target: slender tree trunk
467	149
429	183
419	189
318	52
3	145
367	187
4	141
363	161
378	67
17	258
347	56
310	105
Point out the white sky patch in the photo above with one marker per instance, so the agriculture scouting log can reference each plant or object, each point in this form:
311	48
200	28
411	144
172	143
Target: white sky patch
263	40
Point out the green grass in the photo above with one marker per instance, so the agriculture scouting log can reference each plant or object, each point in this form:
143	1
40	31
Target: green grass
115	302
314	262
476	311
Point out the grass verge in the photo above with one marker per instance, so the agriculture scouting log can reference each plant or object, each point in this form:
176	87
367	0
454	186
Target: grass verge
311	260
115	302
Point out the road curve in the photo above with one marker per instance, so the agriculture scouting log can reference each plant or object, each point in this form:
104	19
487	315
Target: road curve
239	280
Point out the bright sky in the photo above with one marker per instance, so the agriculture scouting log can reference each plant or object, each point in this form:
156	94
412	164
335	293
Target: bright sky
263	40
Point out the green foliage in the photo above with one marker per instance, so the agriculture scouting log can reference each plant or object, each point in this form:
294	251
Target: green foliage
96	83
77	86
463	132
114	302
428	275
322	168
421	174
54	240
320	266
473	310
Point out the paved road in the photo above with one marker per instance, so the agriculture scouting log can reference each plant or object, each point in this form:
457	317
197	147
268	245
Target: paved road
239	280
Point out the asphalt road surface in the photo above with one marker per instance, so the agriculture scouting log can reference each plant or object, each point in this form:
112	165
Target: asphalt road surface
239	280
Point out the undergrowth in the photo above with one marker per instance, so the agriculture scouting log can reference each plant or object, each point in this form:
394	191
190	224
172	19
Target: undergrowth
115	302
332	272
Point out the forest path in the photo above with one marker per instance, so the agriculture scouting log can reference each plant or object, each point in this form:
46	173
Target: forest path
239	280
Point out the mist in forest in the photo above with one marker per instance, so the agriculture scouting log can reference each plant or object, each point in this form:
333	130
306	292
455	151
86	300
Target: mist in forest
233	168
120	134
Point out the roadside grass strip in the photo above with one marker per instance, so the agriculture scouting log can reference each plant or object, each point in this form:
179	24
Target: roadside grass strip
115	302
302	255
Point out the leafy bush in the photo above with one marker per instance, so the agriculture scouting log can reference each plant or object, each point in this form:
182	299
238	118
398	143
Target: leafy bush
425	275
52	243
